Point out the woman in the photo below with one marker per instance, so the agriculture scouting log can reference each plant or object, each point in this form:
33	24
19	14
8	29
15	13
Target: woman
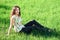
15	20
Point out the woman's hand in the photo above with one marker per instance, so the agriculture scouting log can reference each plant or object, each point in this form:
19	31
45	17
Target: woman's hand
7	34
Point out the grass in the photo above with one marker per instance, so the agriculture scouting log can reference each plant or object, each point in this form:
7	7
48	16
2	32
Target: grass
46	12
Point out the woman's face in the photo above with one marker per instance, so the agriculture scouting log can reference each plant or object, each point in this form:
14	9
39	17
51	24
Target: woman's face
17	11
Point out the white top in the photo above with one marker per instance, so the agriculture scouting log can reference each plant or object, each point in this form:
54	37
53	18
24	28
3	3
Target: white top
17	26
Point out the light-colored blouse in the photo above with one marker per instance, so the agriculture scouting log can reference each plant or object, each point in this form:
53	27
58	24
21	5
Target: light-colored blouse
17	26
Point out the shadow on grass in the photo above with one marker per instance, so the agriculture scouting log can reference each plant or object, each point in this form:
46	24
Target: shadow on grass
4	23
5	7
46	32
4	20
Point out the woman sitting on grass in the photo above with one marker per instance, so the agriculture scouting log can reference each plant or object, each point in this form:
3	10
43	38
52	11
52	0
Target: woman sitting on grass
15	20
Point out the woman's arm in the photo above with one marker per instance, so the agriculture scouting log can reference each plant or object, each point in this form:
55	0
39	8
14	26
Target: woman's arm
11	24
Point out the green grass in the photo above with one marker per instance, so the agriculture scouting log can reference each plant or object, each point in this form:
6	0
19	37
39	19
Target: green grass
46	12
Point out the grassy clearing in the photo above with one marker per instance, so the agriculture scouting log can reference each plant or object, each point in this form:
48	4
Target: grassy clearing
46	12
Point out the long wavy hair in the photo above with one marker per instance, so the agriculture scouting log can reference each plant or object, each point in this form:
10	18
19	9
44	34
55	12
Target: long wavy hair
13	11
